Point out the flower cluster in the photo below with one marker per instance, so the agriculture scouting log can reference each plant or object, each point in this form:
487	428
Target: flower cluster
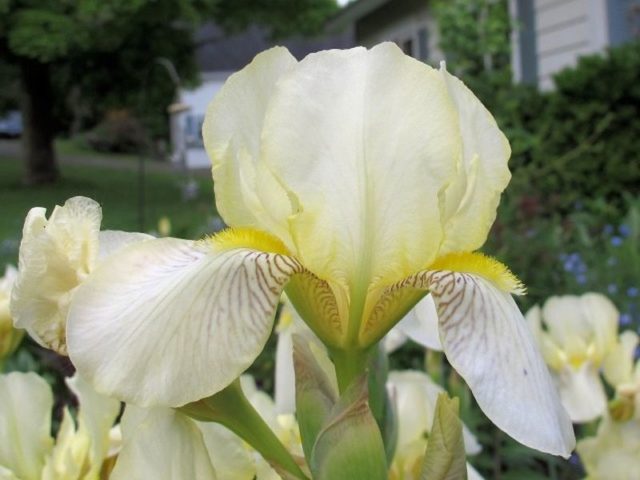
364	197
581	343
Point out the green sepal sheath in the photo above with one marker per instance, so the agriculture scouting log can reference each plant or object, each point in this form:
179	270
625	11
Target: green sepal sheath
315	394
349	446
445	456
230	408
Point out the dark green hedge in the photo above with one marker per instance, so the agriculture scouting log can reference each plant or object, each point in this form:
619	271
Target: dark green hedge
582	140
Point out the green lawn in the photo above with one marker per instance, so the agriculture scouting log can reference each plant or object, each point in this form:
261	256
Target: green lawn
117	192
76	148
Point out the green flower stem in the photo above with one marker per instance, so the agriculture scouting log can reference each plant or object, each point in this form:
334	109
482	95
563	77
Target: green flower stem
350	364
231	408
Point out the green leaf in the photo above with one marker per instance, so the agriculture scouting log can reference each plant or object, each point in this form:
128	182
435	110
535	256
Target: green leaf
445	457
315	394
350	447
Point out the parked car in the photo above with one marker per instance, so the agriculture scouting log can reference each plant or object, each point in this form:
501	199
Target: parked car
11	125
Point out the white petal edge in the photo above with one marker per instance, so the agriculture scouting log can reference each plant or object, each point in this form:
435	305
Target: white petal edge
421	324
168	321
161	444
487	340
111	241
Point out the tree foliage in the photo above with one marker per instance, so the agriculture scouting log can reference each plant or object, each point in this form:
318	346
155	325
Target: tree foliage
475	37
98	55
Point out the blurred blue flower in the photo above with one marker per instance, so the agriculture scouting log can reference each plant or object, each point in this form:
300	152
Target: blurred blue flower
581	278
632	292
625	319
616	241
574	459
624	230
608	229
612	288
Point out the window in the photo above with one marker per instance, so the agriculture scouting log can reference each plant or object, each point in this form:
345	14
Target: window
423	44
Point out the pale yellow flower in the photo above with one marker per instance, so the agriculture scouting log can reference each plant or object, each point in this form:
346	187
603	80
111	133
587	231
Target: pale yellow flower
27	450
163	444
614	453
360	181
56	256
415	396
10	337
581	331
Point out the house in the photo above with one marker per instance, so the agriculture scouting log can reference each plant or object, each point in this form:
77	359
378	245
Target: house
408	23
549	35
552	34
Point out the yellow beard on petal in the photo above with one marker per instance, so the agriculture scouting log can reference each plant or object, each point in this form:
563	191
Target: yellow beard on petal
246	237
482	265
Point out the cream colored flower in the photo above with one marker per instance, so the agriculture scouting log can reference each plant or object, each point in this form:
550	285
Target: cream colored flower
56	256
360	180
163	444
27	450
581	332
614	453
10	337
415	397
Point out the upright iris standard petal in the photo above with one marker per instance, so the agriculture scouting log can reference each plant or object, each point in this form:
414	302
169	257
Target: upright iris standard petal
359	138
367	164
471	200
246	193
488	342
167	321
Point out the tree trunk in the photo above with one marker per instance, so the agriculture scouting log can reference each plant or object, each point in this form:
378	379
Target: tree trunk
37	120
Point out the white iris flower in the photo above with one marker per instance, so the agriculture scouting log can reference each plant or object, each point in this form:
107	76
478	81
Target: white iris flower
357	180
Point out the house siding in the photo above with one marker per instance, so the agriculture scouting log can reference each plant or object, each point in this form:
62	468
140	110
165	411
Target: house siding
564	32
551	35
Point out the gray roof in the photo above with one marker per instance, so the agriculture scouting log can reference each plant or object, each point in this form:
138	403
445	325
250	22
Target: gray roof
220	52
